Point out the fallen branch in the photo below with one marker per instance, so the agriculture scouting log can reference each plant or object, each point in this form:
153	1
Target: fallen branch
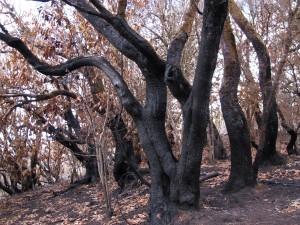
209	176
271	182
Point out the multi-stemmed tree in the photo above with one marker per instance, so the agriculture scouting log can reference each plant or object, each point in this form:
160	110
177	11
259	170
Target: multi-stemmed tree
173	182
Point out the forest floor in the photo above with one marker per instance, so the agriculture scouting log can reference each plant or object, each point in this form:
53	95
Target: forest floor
266	204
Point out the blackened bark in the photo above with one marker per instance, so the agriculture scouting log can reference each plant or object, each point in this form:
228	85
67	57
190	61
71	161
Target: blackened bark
291	147
124	38
171	182
5	186
90	161
125	162
269	153
196	109
161	207
216	142
178	85
241	172
269	129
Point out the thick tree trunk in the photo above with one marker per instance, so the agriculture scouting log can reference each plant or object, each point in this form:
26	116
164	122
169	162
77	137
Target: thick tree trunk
172	183
196	108
176	184
269	118
241	173
219	150
154	142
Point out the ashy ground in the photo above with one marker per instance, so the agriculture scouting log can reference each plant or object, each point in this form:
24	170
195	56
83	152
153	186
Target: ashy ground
276	202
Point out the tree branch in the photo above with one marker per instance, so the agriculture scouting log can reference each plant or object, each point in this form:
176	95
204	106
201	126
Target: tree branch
127	99
37	98
248	30
178	85
6	189
121	35
59	136
41	97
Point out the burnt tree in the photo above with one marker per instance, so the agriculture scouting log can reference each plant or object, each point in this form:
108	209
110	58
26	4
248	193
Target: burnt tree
173	183
291	147
125	161
269	127
241	172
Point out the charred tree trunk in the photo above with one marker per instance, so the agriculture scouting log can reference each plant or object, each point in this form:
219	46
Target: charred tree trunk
89	161
196	107
216	142
269	128
125	162
291	147
241	173
153	138
269	152
173	184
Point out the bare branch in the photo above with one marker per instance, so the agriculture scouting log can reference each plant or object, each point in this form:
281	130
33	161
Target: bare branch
83	9
174	77
36	98
122	36
189	17
156	35
3	29
128	100
41	97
